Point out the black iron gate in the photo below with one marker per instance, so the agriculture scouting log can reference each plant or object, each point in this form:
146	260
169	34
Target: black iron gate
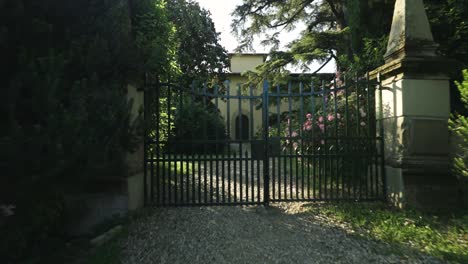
220	145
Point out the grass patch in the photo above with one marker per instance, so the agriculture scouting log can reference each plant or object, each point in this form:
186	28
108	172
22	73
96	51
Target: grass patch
440	235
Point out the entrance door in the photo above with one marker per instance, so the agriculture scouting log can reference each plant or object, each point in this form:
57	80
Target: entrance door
242	127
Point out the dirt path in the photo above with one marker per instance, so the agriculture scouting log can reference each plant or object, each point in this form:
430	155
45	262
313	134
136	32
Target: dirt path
282	233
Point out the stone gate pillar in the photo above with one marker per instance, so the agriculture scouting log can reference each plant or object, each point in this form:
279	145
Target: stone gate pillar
416	109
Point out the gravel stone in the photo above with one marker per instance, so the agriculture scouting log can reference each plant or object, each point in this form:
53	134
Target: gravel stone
281	233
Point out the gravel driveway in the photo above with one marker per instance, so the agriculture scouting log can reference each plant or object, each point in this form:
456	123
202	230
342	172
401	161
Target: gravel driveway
281	233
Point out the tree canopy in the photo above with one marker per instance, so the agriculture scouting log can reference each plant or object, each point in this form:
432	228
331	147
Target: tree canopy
199	54
334	28
66	118
354	31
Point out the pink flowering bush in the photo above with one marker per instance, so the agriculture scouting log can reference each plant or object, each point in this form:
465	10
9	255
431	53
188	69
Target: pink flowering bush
340	113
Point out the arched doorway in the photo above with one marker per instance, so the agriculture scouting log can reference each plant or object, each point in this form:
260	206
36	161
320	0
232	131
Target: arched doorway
242	127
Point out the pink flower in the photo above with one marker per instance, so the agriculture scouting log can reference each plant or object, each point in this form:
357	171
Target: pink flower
363	123
294	134
322	127
295	145
322	142
309	116
307	125
331	117
320	119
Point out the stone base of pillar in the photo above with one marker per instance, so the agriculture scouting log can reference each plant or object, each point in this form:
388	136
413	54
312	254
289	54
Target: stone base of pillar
422	189
135	191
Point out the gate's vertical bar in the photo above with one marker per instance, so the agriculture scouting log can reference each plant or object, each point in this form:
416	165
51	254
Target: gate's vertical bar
241	138
192	147
296	169
382	142
278	120
252	173
285	166
246	176
273	169
169	102
205	177
205	149
359	138
301	134
199	158
290	140
375	146
258	178
156	141
369	156
309	127
237	135
266	166
347	156
193	191
273	176
235	176
228	108
211	163
216	95
223	193
180	160
335	154
325	138
314	146
211	178
225	140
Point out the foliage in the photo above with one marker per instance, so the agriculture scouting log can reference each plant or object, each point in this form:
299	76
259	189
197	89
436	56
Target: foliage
338	110
197	121
67	125
449	26
334	29
353	31
370	57
338	121
459	126
154	38
442	235
199	54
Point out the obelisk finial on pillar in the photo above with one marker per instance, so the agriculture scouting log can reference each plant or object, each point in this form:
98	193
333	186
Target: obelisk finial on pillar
411	34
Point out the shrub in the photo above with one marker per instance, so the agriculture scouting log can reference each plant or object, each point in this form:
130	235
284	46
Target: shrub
197	122
459	126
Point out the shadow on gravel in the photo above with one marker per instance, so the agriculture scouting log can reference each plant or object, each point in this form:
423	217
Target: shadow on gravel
282	233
